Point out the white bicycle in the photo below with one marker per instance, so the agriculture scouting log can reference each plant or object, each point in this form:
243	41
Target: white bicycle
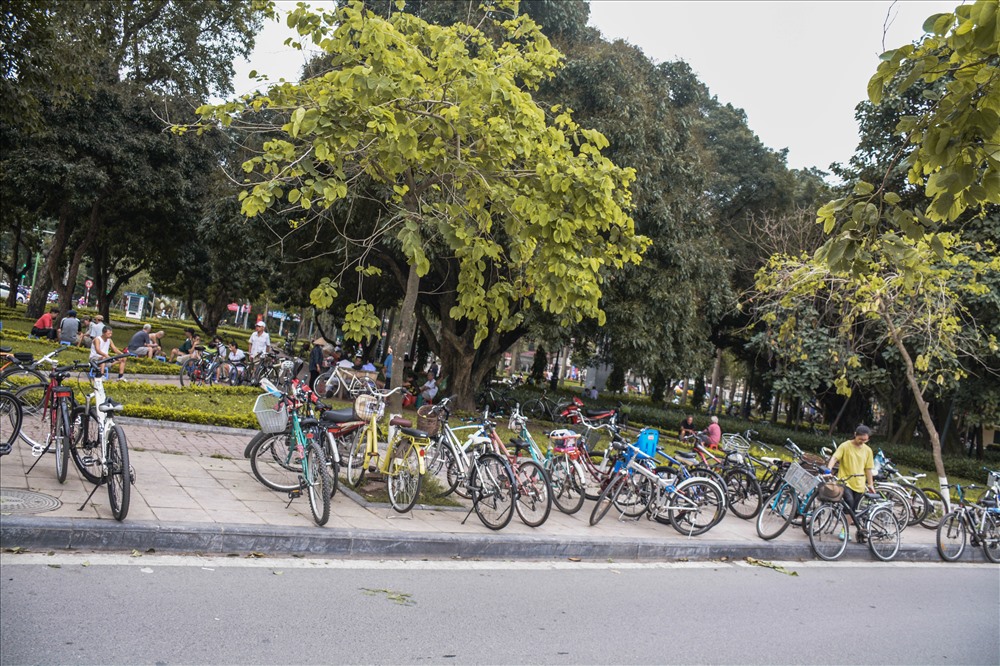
99	447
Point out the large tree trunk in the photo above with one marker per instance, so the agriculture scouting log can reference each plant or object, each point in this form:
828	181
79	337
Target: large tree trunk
402	336
918	397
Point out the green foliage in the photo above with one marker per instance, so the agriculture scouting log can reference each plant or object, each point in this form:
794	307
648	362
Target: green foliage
464	154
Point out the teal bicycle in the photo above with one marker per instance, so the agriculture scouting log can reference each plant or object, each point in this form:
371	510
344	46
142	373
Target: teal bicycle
289	457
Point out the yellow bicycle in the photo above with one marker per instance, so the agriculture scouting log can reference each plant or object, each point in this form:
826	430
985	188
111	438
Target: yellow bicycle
390	447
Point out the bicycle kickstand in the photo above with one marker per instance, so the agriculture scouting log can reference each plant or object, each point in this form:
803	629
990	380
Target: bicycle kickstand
96	486
48	446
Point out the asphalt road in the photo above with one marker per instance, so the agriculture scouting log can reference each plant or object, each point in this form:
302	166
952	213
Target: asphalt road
111	609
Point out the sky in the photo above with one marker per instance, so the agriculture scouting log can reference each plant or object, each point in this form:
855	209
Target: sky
796	68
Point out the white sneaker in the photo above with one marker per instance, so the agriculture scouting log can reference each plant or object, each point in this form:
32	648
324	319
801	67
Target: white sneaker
121	378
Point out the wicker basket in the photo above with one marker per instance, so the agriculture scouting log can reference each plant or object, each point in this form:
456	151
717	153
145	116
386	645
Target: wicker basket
830	491
270	419
428	421
366	406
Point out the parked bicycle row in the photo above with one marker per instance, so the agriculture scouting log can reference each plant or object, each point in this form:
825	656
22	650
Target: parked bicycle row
305	448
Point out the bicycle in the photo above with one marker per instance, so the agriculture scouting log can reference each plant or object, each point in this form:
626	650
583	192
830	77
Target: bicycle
99	446
544	408
20	370
338	381
496	397
402	465
473	470
11	416
293	450
828	528
57	403
561	462
693	506
743	493
977	522
532	491
202	370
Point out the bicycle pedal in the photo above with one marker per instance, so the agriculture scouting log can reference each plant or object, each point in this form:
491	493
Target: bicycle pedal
294	494
88	461
131	475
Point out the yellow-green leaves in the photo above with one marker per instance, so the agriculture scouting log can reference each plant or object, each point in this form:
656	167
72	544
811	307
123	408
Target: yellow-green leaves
324	294
360	321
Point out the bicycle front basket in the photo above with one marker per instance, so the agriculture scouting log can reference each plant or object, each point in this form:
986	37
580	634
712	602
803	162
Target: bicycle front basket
427	421
797	477
366	406
270	420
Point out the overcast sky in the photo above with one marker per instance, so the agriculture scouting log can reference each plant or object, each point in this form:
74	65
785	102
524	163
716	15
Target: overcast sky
798	69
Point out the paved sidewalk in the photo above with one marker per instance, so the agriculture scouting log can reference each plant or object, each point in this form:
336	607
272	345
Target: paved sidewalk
194	492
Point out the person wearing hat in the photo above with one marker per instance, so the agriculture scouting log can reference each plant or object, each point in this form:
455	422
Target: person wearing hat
260	341
95	330
316	360
69	328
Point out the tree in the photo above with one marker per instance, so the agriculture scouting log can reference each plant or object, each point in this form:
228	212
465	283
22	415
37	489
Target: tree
441	120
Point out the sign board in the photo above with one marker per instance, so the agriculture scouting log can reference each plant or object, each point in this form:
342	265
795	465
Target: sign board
232	307
88	283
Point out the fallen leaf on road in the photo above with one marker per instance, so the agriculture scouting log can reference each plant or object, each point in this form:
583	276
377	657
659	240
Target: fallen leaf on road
55	566
86	563
254	553
770	565
146	570
401	598
278	573
573	559
136	553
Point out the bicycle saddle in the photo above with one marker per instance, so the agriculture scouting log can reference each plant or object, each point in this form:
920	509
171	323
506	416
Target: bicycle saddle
597	412
308	423
519	445
413	432
338	415
686	456
5	349
770	461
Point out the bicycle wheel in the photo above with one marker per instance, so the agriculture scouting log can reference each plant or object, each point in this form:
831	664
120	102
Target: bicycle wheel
936	508
441	458
355	465
742	493
15	378
606	499
777	512
327	385
119	473
275	463
991	536
61	439
951	536
697	506
86	446
491	486
11	416
316	478
918	503
828	533
883	534
567	484
534	409
186	373
534	493
32	398
403	479
900	503
634	497
332	457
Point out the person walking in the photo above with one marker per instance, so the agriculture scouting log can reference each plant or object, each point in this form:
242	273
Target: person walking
316	360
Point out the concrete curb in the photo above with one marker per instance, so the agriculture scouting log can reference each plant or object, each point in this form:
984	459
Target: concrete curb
185	427
90	534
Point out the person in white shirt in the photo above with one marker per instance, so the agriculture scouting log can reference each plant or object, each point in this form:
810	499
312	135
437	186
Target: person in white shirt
102	347
260	341
428	390
235	365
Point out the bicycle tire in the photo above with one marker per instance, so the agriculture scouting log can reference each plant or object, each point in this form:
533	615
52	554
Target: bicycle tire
828	532
634	497
316	478
86	447
356	466
918	504
439	468
951	536
186	373
119	473
273	461
776	513
323	383
991	537
707	506
742	493
936	508
61	439
567	484
11	415
883	534
491	486
606	500
332	459
534	493
404	478
32	399
900	503
535	410
15	378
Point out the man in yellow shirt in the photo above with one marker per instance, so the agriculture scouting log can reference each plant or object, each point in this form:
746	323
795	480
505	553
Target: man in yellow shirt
855	458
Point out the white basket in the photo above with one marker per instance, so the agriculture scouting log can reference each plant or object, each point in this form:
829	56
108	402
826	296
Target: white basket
270	420
366	406
801	480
